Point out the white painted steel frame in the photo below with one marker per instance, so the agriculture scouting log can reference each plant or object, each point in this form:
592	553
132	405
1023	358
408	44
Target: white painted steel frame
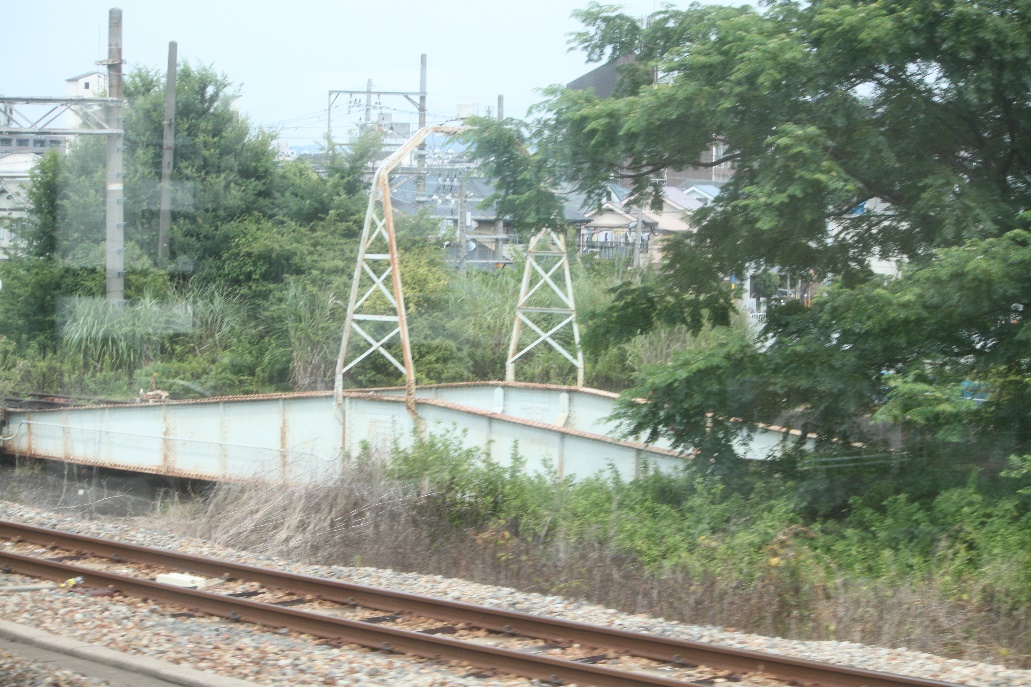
379	226
91	112
297	437
555	248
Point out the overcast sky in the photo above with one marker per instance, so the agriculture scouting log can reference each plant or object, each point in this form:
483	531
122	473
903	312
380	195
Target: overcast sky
285	56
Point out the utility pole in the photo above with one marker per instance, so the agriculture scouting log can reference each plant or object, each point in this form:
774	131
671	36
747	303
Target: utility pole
115	233
96	117
462	236
167	156
408	95
368	104
329	124
637	239
499	224
420	155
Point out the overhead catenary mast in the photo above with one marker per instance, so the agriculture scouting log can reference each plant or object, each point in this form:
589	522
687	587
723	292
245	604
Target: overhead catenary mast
368	92
115	233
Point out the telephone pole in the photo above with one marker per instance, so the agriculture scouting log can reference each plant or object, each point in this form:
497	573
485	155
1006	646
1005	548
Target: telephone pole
167	156
637	239
115	233
420	105
97	117
420	154
462	231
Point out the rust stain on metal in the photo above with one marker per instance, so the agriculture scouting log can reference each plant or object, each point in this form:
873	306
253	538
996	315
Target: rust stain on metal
528	423
167	451
223	433
511	385
28	432
168	457
66	439
357	393
284	456
171	472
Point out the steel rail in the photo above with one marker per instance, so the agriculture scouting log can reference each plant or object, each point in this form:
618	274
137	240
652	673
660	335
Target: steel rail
547	668
656	647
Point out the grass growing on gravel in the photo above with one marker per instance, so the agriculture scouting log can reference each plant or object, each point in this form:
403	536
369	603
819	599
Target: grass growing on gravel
950	576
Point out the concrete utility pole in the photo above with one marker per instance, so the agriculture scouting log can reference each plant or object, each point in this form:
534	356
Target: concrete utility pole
115	234
499	225
462	229
637	239
368	104
167	156
368	92
96	117
420	155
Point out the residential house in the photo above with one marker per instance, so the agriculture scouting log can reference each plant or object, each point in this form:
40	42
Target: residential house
704	193
603	80
611	229
490	241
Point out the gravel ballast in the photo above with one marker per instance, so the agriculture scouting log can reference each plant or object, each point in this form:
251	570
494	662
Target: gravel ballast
284	658
16	671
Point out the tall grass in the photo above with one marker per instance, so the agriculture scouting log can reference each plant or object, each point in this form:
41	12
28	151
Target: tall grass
120	335
679	547
312	325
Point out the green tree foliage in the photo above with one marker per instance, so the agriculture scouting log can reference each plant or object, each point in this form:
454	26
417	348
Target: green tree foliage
525	178
823	107
222	170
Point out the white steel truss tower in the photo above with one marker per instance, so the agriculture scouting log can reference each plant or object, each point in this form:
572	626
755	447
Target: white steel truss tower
376	308
552	308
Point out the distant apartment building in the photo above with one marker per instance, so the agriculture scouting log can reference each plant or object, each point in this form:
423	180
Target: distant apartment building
19	152
30	144
603	81
14	184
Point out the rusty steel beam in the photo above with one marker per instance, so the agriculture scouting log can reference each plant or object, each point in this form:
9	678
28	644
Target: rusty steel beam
654	647
379	228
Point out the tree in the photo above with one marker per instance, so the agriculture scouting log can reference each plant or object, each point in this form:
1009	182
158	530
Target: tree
223	169
525	177
825	106
34	273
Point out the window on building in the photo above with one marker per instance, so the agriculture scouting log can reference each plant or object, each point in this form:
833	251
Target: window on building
6	141
39	143
720	150
22	142
85	86
55	143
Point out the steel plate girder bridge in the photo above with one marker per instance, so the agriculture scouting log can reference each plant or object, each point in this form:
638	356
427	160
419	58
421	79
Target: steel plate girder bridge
309	436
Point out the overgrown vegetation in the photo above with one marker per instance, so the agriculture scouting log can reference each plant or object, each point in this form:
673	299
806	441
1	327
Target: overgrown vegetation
904	522
949	575
254	294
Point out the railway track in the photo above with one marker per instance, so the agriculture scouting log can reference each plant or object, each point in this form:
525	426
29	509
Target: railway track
548	649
